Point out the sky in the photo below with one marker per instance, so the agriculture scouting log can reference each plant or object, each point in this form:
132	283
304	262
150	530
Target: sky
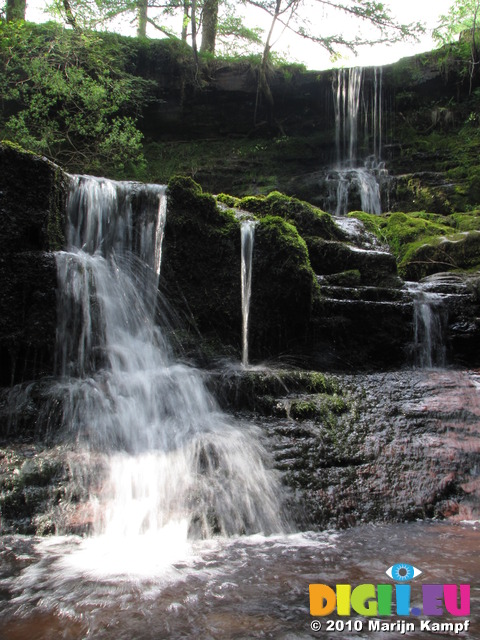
299	50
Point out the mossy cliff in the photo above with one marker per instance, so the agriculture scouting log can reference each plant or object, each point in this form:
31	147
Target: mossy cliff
329	296
323	295
201	275
32	215
208	130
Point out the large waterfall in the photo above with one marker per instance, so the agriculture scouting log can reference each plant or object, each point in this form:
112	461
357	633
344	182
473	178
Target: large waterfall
155	454
358	169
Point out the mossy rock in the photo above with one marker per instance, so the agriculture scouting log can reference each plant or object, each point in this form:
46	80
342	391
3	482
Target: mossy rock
201	264
320	408
349	278
426	243
32	226
458	252
229	201
330	257
283	284
309	220
201	274
259	390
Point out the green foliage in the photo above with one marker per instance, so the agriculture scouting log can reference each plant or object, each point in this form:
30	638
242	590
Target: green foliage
462	16
66	95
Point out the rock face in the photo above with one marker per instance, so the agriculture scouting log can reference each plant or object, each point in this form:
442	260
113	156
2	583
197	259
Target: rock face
324	290
426	101
32	204
377	447
325	294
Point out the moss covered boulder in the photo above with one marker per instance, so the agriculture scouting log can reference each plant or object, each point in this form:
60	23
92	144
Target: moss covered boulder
201	275
201	268
427	243
308	220
283	285
374	267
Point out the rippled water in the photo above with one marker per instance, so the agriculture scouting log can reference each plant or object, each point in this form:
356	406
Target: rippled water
247	587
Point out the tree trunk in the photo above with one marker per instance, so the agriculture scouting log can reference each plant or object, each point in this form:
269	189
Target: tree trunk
16	10
142	8
263	88
194	34
475	59
186	19
209	26
70	16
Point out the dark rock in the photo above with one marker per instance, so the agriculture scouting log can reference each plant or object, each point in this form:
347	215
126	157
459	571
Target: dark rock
375	267
201	275
32	209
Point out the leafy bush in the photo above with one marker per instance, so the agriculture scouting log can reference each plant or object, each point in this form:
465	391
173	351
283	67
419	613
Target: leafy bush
66	95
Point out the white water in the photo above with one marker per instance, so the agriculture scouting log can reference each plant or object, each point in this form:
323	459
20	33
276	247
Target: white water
158	460
428	326
356	172
247	238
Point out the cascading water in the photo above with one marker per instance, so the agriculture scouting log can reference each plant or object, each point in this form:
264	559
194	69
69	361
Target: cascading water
247	238
159	458
428	327
349	178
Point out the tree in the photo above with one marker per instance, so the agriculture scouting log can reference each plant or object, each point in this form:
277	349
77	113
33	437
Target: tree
462	21
15	10
209	22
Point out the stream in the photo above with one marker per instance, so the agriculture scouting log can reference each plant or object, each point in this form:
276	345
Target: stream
245	587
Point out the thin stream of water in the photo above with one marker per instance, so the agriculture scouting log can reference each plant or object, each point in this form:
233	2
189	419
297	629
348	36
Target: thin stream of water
247	238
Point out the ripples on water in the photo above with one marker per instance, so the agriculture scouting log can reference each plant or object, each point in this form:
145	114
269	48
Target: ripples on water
247	587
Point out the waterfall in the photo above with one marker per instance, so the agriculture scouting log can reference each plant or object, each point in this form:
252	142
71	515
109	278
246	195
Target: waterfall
247	238
358	169
346	92
154	454
428	328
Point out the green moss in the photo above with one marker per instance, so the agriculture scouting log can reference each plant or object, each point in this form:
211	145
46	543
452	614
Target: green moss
16	147
456	252
466	221
402	229
187	195
309	220
321	408
230	201
372	223
426	243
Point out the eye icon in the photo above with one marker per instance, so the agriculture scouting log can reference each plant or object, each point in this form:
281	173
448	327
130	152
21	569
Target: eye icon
402	572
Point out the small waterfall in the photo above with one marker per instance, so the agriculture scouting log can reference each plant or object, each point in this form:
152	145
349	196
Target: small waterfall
428	328
155	454
247	238
354	181
346	92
